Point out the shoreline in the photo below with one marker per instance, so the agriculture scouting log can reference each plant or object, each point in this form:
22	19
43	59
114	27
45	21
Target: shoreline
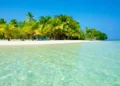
42	42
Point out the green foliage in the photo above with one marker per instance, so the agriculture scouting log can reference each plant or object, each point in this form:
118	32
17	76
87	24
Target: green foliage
29	16
14	22
2	21
59	27
94	34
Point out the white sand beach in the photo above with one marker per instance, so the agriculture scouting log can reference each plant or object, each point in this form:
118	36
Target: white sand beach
30	42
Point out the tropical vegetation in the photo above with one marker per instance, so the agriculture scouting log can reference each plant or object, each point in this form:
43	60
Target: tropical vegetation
59	27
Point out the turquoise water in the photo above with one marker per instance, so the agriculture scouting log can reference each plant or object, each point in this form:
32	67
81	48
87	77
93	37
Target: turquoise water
79	64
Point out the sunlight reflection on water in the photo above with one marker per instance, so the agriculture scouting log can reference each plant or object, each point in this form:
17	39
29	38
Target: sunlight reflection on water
84	64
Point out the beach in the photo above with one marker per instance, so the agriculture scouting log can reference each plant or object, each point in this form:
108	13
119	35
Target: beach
35	42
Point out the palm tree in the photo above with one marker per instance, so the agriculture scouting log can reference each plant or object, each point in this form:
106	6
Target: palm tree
2	21
30	29
44	20
10	31
44	23
14	22
30	16
34	30
70	27
2	24
2	31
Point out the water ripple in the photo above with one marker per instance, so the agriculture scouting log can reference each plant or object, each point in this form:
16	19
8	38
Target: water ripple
93	64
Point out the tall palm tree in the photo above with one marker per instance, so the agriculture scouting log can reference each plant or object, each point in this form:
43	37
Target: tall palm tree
10	31
34	30
30	16
44	22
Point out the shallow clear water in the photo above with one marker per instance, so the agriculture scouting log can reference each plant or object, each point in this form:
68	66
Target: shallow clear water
79	64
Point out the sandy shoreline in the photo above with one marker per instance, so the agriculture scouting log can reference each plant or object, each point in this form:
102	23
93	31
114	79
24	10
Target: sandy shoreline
30	42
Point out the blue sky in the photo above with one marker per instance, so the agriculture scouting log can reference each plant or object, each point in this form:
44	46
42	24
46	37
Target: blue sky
103	15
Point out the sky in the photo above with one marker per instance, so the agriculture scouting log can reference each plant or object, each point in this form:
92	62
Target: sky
103	15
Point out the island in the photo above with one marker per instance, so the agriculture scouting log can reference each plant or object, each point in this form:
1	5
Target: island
59	27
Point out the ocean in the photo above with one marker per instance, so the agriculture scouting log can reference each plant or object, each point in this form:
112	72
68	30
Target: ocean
77	64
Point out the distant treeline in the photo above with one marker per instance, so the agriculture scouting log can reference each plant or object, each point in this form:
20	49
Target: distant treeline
59	27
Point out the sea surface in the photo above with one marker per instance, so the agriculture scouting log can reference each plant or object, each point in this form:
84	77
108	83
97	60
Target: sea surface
77	64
